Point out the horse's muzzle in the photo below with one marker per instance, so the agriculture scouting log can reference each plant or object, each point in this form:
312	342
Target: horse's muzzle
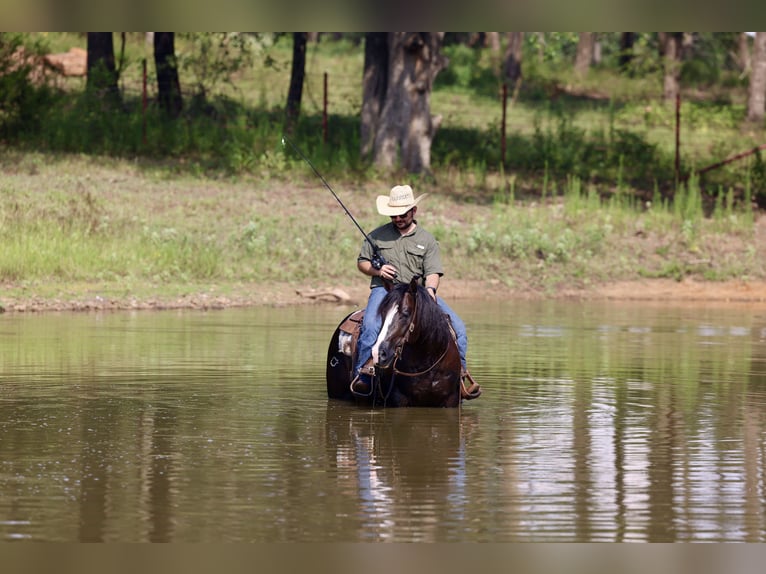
384	358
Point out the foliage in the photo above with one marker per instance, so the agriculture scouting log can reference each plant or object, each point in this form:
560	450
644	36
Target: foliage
586	191
618	142
468	69
20	98
211	60
75	218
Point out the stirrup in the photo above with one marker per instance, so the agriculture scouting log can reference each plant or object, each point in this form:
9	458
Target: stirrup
358	387
474	389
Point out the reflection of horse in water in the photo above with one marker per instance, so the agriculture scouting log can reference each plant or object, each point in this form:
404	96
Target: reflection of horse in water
403	472
417	362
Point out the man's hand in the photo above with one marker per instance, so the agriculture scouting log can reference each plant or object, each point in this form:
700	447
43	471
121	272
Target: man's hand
388	272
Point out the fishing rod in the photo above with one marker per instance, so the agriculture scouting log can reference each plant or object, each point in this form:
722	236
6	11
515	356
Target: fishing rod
377	258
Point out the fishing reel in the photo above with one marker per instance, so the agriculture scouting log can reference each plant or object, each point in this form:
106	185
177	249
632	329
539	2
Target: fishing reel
377	260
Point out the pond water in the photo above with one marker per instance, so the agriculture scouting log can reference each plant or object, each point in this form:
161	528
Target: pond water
599	422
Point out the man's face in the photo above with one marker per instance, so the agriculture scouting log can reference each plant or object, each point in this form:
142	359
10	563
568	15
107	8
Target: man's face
404	220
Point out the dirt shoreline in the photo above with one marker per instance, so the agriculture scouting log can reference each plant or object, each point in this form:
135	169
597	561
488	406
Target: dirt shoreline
283	294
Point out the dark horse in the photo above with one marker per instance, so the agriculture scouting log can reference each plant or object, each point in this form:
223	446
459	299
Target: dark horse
417	362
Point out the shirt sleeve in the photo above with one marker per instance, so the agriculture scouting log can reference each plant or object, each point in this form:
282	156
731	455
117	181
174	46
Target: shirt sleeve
432	262
365	253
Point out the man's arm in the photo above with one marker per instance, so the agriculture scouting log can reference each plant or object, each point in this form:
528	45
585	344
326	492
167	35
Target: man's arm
365	266
432	284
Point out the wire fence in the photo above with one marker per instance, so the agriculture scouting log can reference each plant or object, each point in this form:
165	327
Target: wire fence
672	128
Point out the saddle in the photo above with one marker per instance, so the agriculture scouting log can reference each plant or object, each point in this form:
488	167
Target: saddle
349	335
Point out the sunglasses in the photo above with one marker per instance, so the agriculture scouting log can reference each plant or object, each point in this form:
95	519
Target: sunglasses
404	215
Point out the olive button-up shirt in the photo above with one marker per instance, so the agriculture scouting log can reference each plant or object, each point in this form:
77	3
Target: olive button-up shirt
416	253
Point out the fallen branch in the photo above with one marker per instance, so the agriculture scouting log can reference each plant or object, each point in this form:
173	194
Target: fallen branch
729	160
336	294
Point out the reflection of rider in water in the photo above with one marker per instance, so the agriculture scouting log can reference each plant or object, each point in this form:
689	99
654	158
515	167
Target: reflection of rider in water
409	251
393	488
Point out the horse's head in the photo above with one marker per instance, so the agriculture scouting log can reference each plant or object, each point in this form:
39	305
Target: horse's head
410	317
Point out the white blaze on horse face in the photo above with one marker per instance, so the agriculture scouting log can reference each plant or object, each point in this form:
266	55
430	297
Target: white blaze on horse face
384	331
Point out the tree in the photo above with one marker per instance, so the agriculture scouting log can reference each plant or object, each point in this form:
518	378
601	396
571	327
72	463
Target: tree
742	55
756	98
297	75
406	128
512	60
168	85
374	84
670	50
627	40
102	74
493	41
584	55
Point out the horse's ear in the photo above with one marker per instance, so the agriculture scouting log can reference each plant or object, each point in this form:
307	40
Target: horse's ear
414	284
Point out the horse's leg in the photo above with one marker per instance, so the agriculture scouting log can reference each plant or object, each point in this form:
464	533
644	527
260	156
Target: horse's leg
397	399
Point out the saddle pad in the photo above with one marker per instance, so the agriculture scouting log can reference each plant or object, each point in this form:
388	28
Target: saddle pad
352	322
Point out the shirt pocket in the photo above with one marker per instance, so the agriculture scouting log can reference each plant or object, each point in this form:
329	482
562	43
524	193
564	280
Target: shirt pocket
415	259
385	246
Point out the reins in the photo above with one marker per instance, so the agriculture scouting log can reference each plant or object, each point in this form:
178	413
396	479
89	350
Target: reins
398	352
376	388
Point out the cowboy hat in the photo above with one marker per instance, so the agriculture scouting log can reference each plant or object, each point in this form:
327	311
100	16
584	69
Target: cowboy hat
399	201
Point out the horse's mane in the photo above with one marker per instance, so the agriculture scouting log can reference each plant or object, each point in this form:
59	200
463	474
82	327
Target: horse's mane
432	325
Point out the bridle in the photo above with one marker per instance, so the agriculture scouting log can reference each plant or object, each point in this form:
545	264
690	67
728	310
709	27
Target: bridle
400	348
398	354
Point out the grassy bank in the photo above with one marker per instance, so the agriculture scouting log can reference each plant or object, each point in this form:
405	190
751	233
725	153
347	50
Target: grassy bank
123	203
72	224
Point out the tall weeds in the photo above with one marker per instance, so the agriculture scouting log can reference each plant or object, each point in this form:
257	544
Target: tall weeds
574	199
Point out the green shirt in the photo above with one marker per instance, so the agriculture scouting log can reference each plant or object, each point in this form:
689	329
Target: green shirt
416	253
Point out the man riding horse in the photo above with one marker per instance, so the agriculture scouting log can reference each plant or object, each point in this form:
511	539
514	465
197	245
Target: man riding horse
408	251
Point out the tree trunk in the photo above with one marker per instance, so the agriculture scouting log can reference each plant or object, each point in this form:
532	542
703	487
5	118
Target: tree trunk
540	46
102	74
297	74
493	42
374	83
627	39
670	44
597	53
512	61
687	45
406	125
168	84
584	55
742	56
477	39
756	98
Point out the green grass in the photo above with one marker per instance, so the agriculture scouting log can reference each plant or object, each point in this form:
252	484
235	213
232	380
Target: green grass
70	219
586	193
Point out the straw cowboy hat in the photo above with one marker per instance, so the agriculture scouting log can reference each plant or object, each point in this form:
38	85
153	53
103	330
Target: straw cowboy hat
399	201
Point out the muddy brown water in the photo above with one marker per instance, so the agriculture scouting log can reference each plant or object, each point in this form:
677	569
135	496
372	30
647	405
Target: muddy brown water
599	422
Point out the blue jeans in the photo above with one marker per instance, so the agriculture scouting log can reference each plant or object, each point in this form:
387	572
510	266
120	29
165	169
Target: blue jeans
371	328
